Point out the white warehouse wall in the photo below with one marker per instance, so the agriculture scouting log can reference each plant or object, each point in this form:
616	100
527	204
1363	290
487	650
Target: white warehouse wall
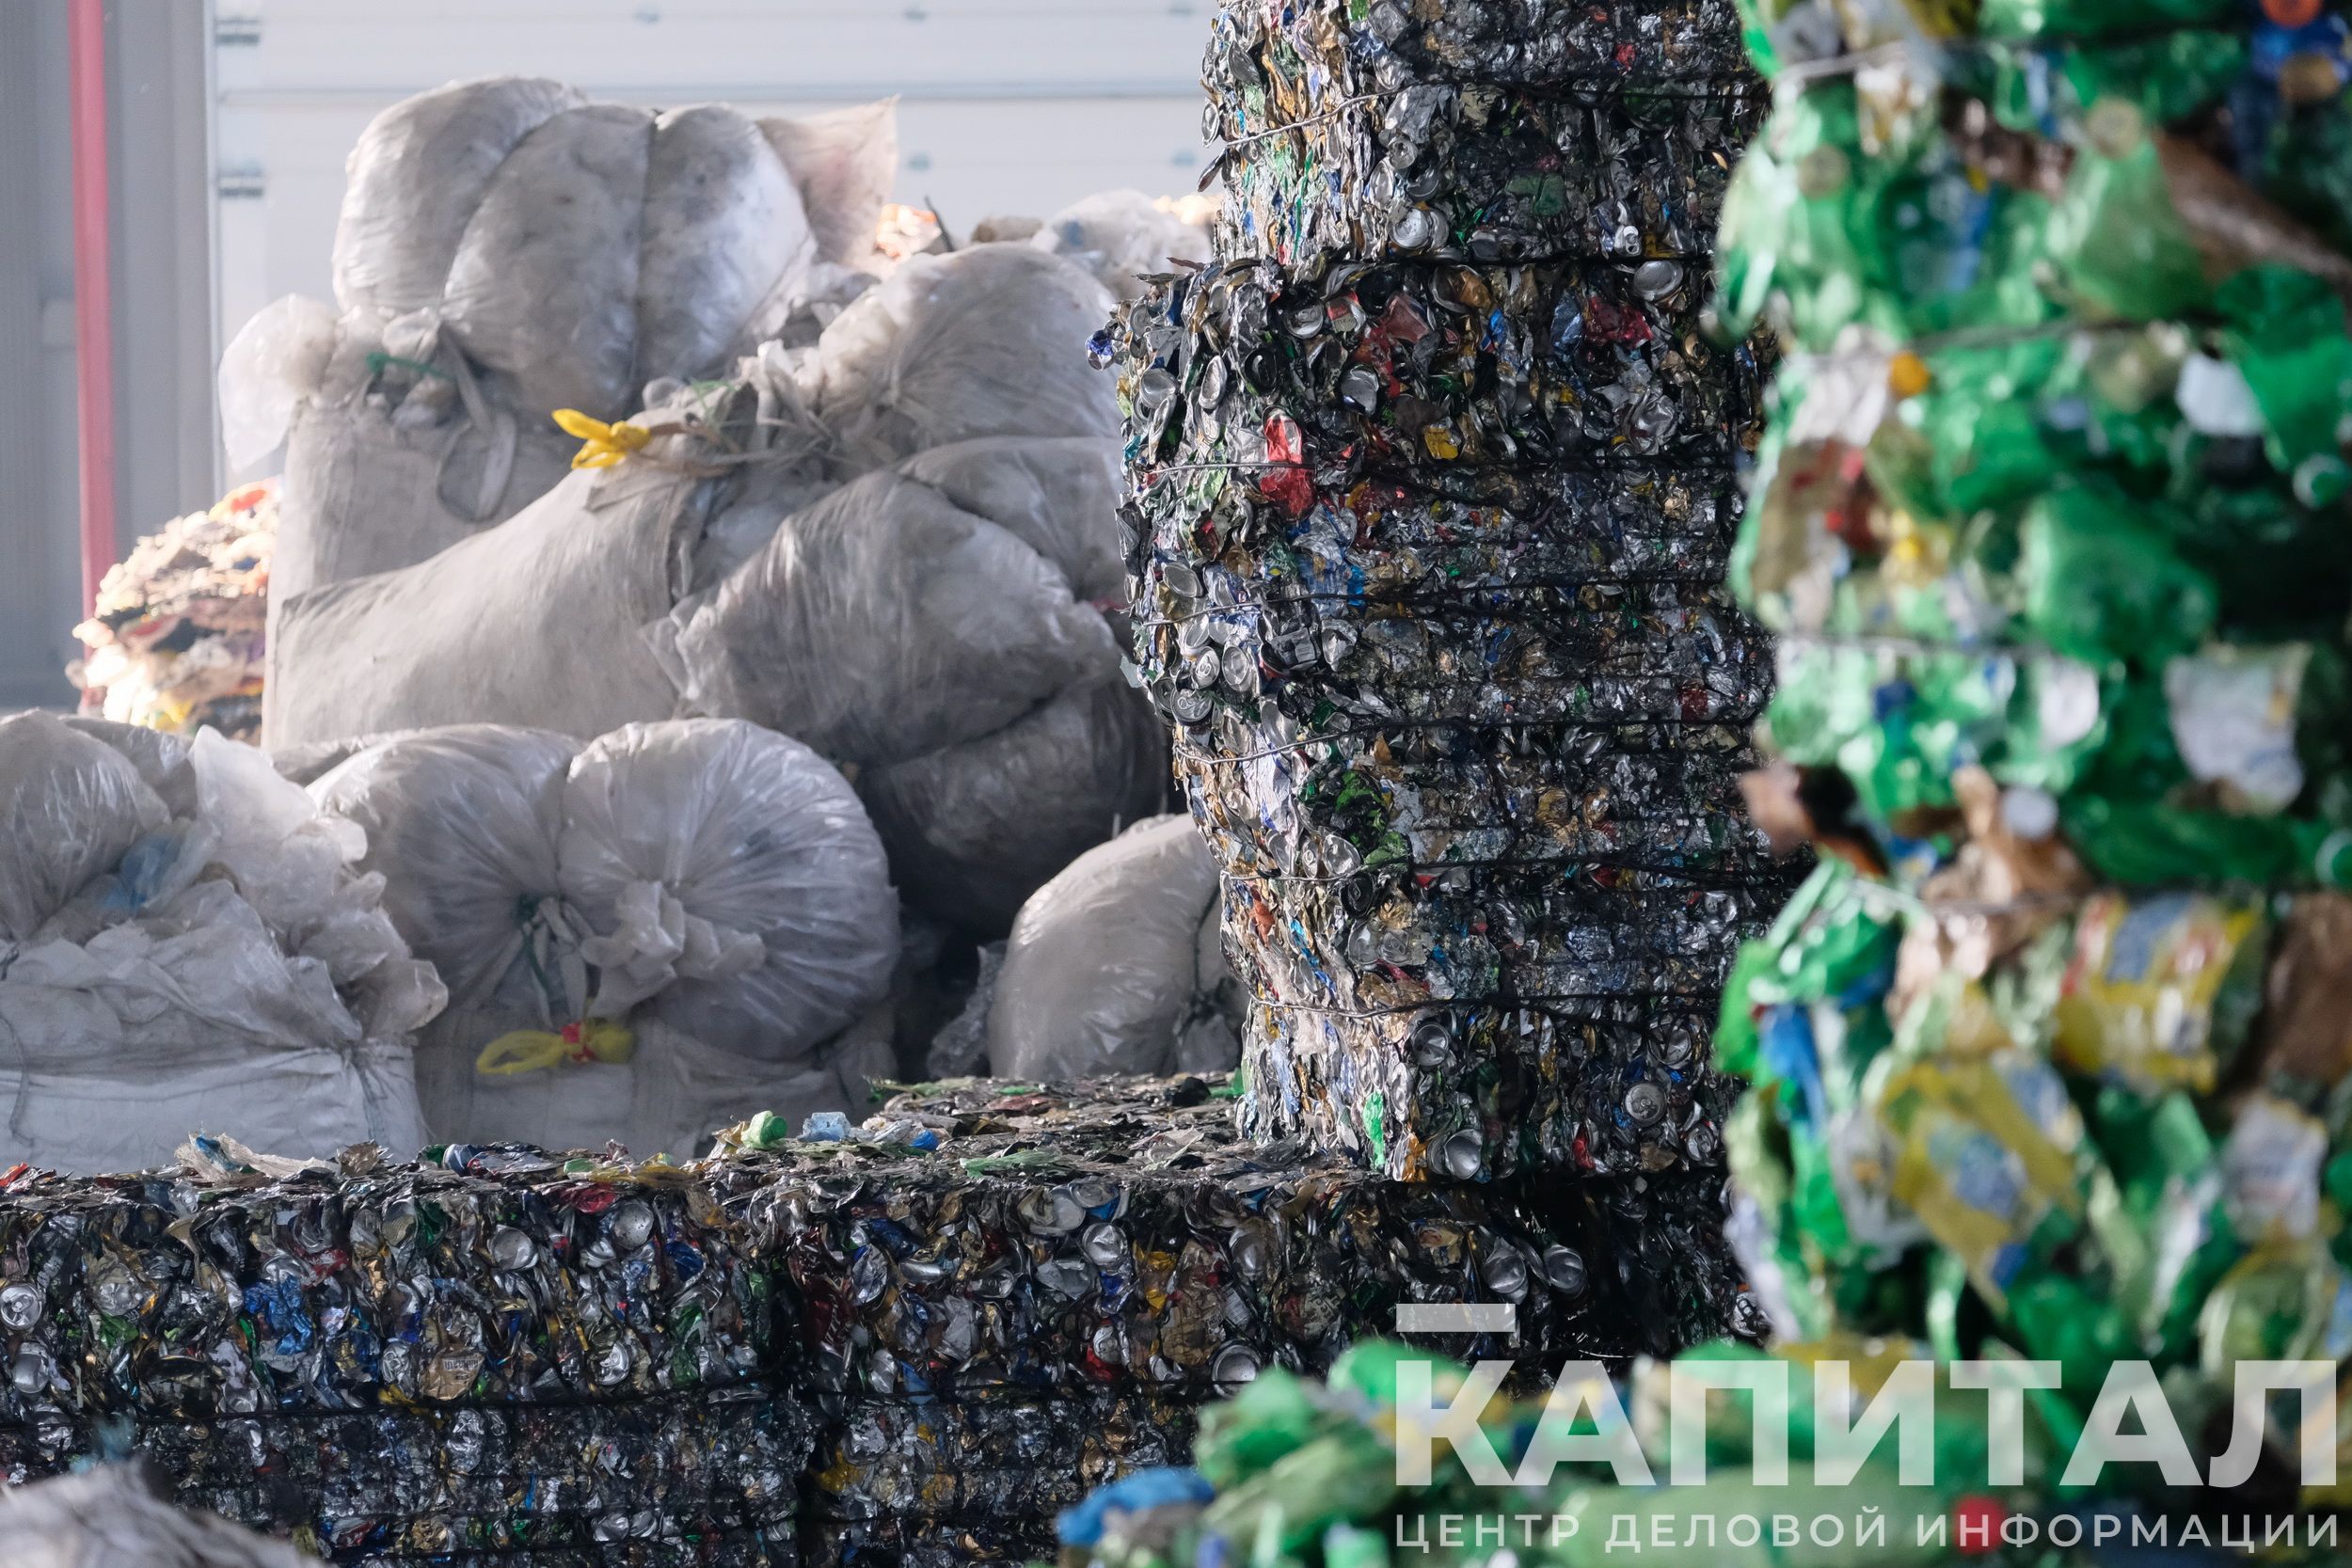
1006	106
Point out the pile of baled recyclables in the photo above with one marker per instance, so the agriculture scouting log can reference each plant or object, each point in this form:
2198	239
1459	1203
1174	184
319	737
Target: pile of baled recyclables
695	610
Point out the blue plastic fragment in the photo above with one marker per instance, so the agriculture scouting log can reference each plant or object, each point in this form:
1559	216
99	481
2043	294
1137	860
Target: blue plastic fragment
1082	1526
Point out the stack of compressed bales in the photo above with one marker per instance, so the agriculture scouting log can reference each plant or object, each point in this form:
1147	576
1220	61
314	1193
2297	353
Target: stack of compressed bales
1433	498
175	640
1010	1293
643	939
508	248
2048	1060
921	1336
501	1359
186	945
2048	1063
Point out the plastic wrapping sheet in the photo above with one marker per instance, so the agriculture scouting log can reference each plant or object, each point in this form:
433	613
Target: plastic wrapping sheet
114	1517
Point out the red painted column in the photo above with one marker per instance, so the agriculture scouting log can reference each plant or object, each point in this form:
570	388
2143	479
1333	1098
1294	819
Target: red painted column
93	291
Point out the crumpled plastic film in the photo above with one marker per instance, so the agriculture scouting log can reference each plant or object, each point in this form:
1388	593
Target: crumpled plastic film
1434	487
113	1518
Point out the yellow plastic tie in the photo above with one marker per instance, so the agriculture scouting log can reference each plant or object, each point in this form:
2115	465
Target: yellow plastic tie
597	1039
607	444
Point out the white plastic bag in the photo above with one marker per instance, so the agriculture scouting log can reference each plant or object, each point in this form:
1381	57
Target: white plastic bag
985	342
462	824
546	878
976	828
786	926
1120	236
113	1518
507	249
844	161
1060	495
373	486
533	622
417	175
160	758
884	621
724	232
190	1018
71	807
543	289
1117	965
275	360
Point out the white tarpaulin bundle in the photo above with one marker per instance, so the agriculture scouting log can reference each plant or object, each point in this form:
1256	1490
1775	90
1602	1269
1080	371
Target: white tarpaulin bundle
111	1518
712	887
508	248
1117	965
185	948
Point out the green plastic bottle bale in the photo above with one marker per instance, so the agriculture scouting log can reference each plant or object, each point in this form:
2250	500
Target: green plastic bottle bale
1269	1419
1342	1477
2099	585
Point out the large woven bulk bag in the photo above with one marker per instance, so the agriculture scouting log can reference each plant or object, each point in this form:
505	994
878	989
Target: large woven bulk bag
1117	965
986	341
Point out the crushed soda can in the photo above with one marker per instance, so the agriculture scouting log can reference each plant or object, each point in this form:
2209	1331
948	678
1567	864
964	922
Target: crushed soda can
1006	1455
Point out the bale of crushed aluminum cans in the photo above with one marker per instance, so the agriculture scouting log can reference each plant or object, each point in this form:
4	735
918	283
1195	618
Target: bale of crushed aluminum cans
1433	492
503	1357
917	1338
1011	1294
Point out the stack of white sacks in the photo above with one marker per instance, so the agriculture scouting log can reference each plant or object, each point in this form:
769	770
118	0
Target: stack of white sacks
508	248
555	701
897	545
475	934
187	944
